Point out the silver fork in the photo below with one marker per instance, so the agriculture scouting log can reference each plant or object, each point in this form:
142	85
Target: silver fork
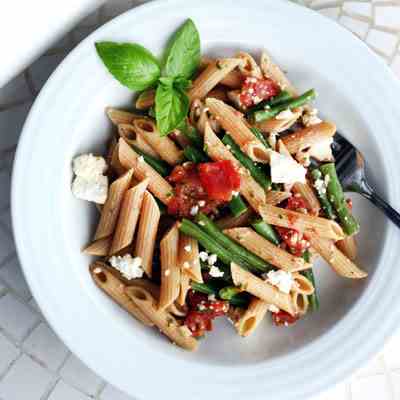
350	167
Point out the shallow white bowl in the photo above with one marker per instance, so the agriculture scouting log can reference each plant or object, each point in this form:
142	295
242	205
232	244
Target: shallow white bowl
356	90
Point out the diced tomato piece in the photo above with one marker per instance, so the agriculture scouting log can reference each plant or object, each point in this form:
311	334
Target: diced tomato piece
219	179
198	322
349	203
282	318
217	308
255	90
195	298
294	240
295	203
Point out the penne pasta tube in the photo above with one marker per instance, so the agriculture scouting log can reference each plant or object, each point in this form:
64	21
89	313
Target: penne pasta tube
147	232
254	314
264	249
348	246
302	284
251	190
199	116
307	193
177	136
218	93
275	197
145	99
162	145
170	271
233	222
335	258
300	300
115	288
109	214
189	261
301	222
164	321
234	98
248	66
272	71
211	76
279	123
261	289
184	288
99	247
115	163
121	117
130	135
141	170
232	80
128	217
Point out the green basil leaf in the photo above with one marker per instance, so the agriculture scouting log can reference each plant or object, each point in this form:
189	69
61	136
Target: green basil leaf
182	56
167	81
172	106
131	64
182	83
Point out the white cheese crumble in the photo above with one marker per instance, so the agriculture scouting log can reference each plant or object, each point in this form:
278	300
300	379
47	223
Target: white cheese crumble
194	210
285	114
320	186
188	248
286	170
322	150
201	203
281	279
212	259
234	194
89	166
129	267
310	117
202	223
327	179
140	159
203	256
215	272
273	308
211	297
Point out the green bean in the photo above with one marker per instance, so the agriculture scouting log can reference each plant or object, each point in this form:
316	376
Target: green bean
192	134
227	292
322	196
270	112
160	166
280	98
195	155
259	135
256	263
336	198
203	288
256	172
309	274
266	230
237	205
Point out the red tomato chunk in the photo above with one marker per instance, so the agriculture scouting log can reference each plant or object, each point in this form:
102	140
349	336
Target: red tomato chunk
255	90
282	318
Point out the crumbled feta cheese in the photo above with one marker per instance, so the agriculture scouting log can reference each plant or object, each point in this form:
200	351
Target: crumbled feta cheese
212	259
188	248
322	150
202	223
186	265
228	146
327	179
201	203
203	256
129	267
89	166
94	190
310	117
319	185
234	194
215	272
286	170
273	308
281	279
97	270
272	139
211	297
285	114
194	210
140	159
201	307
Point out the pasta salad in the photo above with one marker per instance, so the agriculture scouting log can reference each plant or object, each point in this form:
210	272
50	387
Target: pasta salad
216	195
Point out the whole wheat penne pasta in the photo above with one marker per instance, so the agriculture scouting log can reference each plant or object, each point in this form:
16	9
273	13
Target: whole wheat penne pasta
177	309
111	147
109	214
309	136
183	289
163	145
141	170
263	248
219	92
301	222
234	98
307	193
120	116
177	136
162	319
147	232
272	71
231	221
199	116
279	124
261	289
132	137
348	246
233	79
115	288
145	100
99	247
115	163
170	271
335	258
205	62
302	284
275	197
211	76
251	190
248	66
300	300
128	217
254	314
189	261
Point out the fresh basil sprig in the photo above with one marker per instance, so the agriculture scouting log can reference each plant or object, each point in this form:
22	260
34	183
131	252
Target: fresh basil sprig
136	68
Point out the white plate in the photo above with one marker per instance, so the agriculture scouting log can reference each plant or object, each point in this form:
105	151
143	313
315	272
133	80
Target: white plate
356	90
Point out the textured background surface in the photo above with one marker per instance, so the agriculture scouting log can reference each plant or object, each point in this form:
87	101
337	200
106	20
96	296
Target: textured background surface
34	363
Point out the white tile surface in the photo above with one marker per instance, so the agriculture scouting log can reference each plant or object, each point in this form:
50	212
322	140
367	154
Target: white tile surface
78	375
112	393
8	353
16	318
11	274
26	380
370	388
46	347
63	391
383	41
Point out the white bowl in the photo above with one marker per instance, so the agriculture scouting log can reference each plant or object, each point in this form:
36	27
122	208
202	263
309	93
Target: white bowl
357	91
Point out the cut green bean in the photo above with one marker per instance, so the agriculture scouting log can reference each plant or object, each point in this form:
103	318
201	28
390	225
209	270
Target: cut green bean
195	155
238	300
256	172
192	134
235	296
259	135
228	292
316	175
235	250
266	230
336	198
270	112
203	288
237	206
280	98
160	166
309	274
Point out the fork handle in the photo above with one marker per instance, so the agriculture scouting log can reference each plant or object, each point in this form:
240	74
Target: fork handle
370	194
